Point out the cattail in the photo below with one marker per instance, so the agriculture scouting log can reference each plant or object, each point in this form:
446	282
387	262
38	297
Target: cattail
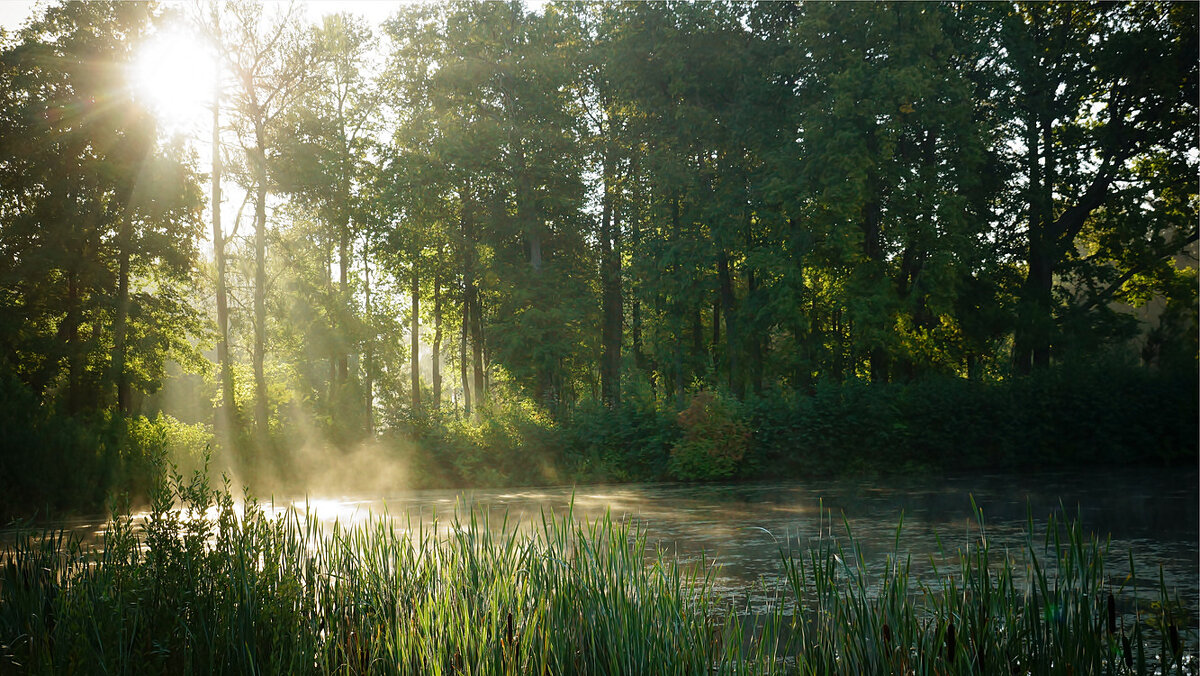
1112	615
1126	651
1173	634
887	637
509	632
950	643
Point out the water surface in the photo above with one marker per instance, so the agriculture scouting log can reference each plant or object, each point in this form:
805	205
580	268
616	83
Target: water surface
739	529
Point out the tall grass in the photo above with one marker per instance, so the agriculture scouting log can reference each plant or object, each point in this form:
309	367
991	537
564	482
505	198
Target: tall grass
201	587
1048	607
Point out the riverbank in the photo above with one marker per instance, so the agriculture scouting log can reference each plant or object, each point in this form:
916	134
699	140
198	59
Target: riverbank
218	589
1062	419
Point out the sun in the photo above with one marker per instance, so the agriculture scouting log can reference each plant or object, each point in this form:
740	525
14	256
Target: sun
172	74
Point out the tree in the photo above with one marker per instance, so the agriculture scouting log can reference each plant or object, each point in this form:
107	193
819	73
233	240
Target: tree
1100	141
100	221
269	60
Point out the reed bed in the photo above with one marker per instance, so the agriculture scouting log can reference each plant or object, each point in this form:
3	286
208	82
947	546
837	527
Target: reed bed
198	587
1046	607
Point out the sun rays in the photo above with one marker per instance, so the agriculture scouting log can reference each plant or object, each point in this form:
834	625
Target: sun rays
172	73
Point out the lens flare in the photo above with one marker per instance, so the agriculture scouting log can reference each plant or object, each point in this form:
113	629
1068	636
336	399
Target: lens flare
172	75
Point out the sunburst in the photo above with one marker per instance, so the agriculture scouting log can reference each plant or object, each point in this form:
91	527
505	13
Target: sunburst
172	74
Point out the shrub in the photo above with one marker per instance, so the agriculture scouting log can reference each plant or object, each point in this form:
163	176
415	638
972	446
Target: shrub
630	443
715	440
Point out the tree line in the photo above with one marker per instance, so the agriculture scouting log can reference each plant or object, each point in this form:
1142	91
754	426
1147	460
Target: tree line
594	202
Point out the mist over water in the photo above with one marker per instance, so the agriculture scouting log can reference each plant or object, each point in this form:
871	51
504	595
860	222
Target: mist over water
740	529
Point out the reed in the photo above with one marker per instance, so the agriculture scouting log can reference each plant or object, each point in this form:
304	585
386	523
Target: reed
1047	607
200	587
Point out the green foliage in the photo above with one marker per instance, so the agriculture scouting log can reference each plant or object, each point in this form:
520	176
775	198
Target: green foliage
632	443
619	202
203	585
715	441
51	462
1061	417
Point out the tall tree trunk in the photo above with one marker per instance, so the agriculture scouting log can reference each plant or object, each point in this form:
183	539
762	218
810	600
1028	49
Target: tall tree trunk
872	229
610	286
472	310
1033	304
223	424
839	347
468	296
436	357
1044	278
477	346
677	308
415	338
462	357
635	237
260	285
715	347
369	367
70	332
343	359
526	218
755	347
732	330
121	321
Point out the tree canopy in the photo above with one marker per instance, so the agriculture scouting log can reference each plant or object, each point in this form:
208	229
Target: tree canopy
476	204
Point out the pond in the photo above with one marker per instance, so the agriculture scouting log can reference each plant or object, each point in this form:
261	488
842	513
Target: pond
740	528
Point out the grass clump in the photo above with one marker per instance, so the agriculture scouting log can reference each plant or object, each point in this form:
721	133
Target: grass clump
203	586
1046	607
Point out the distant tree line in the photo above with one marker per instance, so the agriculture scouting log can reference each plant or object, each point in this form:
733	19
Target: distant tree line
592	204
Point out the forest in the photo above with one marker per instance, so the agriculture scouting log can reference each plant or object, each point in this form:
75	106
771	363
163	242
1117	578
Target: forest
496	244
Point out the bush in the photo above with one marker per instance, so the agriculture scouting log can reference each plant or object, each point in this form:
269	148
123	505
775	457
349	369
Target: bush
1061	417
630	443
715	440
53	463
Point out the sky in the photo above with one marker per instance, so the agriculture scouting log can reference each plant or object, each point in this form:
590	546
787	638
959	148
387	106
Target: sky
13	13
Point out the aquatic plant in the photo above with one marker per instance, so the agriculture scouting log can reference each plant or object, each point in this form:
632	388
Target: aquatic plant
1047	607
203	586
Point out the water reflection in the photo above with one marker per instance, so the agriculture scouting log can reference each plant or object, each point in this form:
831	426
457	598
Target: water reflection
740	528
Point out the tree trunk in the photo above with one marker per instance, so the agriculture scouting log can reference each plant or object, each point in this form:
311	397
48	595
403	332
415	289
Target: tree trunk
716	326
436	357
610	286
677	308
525	214
1033	304
414	335
477	346
635	236
70	332
732	343
260	284
121	321
343	359
462	357
369	366
223	424
754	355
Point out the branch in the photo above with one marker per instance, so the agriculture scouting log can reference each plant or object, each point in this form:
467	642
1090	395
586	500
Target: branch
1128	274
